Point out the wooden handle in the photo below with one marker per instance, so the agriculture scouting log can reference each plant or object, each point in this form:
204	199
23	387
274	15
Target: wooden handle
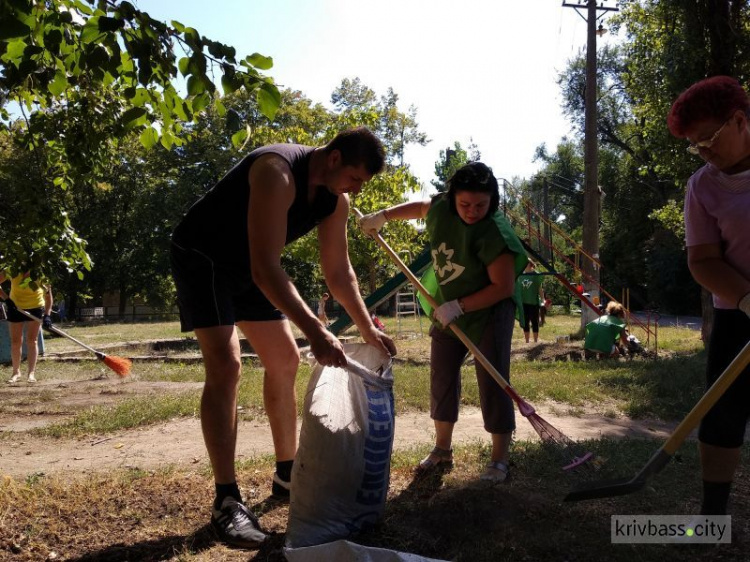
456	330
712	395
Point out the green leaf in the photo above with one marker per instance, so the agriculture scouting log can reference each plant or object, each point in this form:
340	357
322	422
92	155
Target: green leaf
259	61
83	7
269	100
107	24
239	137
201	102
14	52
230	83
59	84
139	97
178	26
11	28
234	121
183	65
131	117
215	49
90	32
220	108
127	10
195	86
149	137
167	140
193	38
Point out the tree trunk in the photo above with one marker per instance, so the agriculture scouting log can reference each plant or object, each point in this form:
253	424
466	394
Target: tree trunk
723	41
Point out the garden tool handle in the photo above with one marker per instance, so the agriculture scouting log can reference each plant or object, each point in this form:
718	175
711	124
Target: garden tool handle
471	346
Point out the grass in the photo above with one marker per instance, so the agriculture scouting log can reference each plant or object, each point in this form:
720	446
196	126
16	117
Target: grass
666	388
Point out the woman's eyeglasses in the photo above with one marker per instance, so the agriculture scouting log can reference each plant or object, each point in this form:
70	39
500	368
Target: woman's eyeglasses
694	148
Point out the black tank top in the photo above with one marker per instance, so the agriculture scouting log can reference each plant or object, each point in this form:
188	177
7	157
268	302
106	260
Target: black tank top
216	224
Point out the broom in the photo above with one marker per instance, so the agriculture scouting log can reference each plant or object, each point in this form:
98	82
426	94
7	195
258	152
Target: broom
119	365
546	431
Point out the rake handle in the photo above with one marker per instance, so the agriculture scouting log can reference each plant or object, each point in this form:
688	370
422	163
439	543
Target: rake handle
709	399
525	408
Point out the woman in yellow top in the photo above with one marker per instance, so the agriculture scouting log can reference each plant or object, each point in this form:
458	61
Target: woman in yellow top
36	301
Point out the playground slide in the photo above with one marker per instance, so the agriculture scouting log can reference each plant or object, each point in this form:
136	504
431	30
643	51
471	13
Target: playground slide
385	291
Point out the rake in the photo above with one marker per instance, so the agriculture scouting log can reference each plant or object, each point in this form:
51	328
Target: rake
660	459
119	365
546	431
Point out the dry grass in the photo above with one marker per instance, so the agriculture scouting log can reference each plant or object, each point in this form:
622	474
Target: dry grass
152	516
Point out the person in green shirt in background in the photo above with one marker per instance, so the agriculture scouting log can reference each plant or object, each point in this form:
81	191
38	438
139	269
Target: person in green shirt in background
603	333
532	294
476	258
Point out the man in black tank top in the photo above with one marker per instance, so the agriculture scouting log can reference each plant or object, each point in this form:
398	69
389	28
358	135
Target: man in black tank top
226	262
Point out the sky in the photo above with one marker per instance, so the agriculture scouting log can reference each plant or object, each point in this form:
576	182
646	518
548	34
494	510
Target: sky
481	71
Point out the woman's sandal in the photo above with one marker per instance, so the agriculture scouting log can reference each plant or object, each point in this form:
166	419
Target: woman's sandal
438	459
496	472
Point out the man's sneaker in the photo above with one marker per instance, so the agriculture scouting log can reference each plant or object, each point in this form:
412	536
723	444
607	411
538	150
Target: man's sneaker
14	378
280	488
236	526
32	378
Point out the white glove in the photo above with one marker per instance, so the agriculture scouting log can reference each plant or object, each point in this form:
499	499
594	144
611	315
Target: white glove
372	223
744	304
448	312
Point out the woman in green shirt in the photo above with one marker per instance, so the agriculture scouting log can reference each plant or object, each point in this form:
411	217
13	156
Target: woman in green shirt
532	295
603	333
476	258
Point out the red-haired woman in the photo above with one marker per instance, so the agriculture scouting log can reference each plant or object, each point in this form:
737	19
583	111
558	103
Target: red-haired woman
712	115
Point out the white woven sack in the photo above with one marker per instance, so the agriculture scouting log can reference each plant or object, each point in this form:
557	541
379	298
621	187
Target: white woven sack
342	468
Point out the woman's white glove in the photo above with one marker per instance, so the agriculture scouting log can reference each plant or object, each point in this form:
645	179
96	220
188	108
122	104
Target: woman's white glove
744	304
372	223
448	312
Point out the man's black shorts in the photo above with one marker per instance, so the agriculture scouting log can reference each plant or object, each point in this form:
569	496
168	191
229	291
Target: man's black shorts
210	294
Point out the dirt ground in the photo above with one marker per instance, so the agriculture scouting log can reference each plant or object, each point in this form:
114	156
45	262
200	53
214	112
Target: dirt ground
179	442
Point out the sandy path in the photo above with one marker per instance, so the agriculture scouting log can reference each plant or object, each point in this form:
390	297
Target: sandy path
180	442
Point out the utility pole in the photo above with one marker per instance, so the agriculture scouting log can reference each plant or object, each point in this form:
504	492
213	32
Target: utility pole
591	191
545	211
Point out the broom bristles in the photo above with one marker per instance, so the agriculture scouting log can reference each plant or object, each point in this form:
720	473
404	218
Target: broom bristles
119	365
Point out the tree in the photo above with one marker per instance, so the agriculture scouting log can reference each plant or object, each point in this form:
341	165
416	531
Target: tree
450	160
356	104
82	74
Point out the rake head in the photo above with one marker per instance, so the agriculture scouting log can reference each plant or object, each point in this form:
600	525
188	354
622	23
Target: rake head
551	435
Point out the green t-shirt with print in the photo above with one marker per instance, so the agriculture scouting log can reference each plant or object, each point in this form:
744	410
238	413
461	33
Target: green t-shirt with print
529	284
460	256
603	333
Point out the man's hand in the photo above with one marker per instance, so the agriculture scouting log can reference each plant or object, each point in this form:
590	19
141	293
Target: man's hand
372	223
327	349
378	339
744	304
10	304
47	321
448	312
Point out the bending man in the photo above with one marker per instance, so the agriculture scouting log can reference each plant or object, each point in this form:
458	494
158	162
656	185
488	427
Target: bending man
226	261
